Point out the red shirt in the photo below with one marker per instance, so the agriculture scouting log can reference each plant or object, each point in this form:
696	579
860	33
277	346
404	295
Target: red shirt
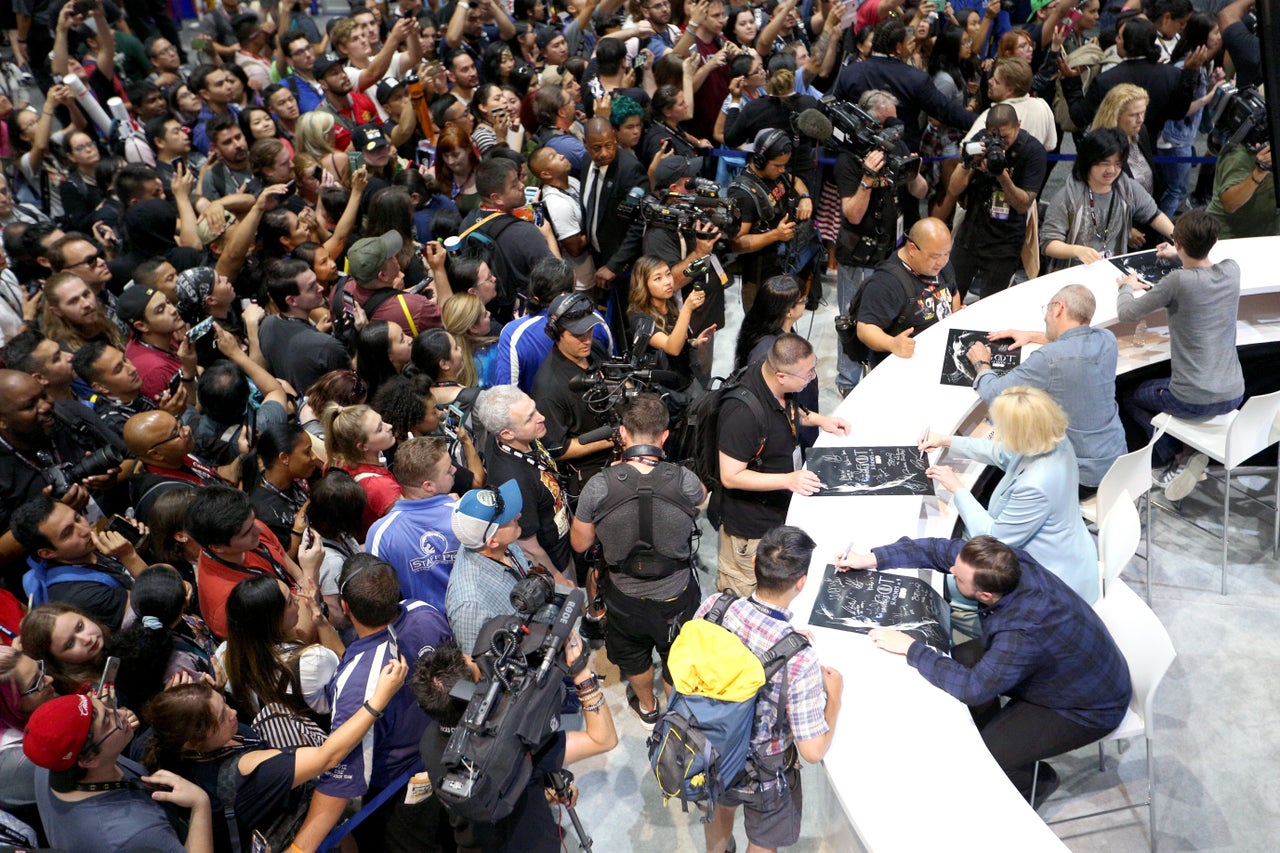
217	577
380	487
361	111
156	367
423	313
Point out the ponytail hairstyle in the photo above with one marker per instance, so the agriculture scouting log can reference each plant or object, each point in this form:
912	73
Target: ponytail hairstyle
159	598
344	433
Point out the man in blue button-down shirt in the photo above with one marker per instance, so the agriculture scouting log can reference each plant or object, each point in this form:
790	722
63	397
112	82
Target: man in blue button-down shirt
1077	368
1042	647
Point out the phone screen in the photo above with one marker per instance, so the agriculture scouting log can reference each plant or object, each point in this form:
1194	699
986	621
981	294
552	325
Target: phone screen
105	684
393	644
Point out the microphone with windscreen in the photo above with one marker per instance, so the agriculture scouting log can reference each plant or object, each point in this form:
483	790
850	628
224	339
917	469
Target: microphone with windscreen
815	125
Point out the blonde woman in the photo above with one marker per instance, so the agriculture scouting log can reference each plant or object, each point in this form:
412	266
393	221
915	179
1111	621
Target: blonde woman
354	439
1125	108
316	136
1035	506
466	318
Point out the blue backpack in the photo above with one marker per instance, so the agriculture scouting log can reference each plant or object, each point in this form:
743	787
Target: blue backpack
701	745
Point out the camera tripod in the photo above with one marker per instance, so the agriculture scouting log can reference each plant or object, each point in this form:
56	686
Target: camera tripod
562	782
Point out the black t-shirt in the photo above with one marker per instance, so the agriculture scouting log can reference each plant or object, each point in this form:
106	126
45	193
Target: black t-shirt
546	508
105	602
752	514
671	248
873	238
757	213
991	225
21	474
568	415
883	299
265	793
277	509
531	827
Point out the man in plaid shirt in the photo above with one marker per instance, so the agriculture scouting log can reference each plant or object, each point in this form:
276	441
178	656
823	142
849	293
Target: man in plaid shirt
1042	646
813	699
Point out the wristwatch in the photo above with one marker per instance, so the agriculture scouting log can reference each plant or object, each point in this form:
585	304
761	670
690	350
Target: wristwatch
978	364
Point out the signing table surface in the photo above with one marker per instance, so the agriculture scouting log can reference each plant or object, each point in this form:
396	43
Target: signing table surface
907	764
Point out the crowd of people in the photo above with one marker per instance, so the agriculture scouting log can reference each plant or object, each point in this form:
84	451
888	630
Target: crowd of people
311	359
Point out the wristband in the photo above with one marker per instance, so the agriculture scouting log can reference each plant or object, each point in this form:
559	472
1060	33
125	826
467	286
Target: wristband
978	364
296	532
188	378
1256	181
377	715
805	195
864	185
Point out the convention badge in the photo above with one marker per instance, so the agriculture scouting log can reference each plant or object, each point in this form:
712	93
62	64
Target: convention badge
419	788
999	205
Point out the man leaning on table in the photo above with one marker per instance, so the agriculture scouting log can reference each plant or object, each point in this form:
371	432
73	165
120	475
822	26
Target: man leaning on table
1076	366
1041	646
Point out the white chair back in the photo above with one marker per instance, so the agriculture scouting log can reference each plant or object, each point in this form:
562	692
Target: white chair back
1253	429
1143	641
1129	473
1118	535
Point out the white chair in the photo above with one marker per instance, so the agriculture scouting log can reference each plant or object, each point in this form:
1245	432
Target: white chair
1229	440
1147	649
1129	475
1118	537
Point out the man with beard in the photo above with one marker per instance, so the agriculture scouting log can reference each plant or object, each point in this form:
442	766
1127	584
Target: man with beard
350	108
73	315
117	386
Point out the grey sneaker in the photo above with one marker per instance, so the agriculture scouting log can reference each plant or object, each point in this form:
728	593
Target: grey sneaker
1184	481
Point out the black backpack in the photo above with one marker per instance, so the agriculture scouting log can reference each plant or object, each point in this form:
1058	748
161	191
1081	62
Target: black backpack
282	827
700	432
847	323
625	486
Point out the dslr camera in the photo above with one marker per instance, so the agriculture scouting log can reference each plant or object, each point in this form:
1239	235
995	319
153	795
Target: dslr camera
986	146
62	477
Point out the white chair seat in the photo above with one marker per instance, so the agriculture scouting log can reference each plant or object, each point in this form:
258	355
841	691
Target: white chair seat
1209	437
1131	726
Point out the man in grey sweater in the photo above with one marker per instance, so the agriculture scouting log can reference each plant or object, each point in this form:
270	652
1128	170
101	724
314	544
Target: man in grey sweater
1203	301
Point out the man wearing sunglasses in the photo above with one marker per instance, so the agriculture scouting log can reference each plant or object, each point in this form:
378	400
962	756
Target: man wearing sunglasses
93	798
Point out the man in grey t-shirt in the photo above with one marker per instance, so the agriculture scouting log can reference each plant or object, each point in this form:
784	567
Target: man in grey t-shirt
645	533
1203	300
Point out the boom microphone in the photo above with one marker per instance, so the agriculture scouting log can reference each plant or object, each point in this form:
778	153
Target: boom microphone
814	124
559	632
597	434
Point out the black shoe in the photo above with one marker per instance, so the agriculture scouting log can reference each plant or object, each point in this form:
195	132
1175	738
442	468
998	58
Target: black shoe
592	630
1046	784
649	718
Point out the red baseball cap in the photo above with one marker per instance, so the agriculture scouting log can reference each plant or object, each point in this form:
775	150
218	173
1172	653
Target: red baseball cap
57	731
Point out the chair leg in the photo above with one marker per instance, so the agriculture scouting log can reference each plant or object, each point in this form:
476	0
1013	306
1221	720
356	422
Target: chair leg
1146	510
1151	794
1275	532
1101	761
1226	517
1035	778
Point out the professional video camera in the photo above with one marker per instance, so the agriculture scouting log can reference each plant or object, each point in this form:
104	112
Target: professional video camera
514	708
1238	117
852	129
986	146
683	213
618	380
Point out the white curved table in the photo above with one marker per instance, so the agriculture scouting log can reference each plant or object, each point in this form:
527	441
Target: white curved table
907	764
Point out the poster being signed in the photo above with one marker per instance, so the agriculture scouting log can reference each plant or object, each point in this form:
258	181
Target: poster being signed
956	369
859	601
870	470
1146	265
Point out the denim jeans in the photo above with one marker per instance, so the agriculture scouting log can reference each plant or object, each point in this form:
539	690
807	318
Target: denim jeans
1176	178
849	281
1153	397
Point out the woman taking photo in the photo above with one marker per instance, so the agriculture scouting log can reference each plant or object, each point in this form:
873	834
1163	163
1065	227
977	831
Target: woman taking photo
667	110
316	137
466	318
354	438
195	734
280	491
79	192
955	76
653	304
1093	214
1036	505
455	168
489	106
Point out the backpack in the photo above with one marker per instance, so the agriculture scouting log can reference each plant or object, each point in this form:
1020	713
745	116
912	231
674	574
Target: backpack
1088	58
625	485
282	828
699	437
847	323
481	242
701	745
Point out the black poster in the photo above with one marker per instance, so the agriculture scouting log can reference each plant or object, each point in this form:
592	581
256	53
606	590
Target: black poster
1146	266
859	601
956	369
870	470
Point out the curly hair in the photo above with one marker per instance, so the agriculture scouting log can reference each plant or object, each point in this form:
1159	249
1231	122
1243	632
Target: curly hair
624	108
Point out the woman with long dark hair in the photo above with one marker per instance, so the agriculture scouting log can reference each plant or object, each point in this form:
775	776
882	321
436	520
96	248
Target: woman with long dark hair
382	351
653	303
779	304
1178	135
489	106
952	69
437	355
667	109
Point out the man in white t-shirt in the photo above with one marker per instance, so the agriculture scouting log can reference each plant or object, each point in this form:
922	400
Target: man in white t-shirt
562	200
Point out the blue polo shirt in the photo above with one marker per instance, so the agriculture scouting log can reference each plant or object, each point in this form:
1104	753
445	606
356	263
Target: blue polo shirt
416	536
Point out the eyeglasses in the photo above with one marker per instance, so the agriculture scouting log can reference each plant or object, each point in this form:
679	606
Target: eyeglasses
937	256
304	49
87	261
83	146
114	715
39	682
174	436
811	375
1044	309
168	48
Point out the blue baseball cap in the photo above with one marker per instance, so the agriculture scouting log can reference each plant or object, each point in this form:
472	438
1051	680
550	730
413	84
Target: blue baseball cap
480	513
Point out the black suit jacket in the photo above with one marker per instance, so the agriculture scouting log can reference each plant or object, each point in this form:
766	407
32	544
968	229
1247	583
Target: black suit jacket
619	239
1172	90
912	87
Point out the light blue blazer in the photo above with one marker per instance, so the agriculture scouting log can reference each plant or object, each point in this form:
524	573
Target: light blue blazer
1035	506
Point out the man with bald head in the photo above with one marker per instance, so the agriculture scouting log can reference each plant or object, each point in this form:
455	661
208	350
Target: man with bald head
606	180
1076	365
909	292
164	447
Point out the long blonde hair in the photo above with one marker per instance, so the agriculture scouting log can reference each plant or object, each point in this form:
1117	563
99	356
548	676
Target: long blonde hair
56	328
1116	101
312	134
460	313
344	433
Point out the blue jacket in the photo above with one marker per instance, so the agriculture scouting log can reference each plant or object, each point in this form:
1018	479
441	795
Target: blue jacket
1078	370
416	537
1036	507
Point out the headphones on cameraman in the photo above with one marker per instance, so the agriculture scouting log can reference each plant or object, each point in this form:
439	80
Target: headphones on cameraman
643	450
775	143
574	306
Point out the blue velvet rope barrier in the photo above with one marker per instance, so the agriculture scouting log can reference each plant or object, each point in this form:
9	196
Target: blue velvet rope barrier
340	831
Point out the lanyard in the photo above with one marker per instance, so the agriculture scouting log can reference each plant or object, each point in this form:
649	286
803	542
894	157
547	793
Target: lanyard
539	459
1104	235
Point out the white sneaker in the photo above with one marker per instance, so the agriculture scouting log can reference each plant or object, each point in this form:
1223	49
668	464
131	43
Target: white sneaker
1183	482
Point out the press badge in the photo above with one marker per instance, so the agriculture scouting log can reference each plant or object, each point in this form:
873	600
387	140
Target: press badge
419	788
999	205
